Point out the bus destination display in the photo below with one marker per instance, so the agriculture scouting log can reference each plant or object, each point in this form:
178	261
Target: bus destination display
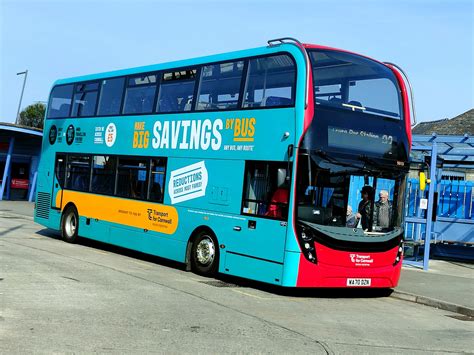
362	140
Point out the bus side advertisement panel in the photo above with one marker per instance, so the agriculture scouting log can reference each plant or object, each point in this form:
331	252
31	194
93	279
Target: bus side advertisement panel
140	214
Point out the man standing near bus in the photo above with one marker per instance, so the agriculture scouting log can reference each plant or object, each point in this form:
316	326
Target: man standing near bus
383	210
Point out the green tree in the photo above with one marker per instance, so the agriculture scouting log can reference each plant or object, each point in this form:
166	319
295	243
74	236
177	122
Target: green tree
33	115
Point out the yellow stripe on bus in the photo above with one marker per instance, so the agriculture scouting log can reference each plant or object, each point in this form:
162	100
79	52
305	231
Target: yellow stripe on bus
140	214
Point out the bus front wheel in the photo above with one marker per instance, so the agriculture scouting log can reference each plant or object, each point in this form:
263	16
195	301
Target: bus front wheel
70	224
205	254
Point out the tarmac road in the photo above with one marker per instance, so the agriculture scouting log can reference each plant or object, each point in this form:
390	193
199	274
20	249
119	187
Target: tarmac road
91	297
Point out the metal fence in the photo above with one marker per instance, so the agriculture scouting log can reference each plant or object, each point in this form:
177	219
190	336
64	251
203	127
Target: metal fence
455	205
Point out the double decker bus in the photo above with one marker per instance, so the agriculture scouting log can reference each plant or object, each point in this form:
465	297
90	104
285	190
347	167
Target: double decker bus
246	163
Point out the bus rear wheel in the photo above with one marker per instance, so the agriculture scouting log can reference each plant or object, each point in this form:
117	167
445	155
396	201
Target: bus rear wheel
70	224
205	254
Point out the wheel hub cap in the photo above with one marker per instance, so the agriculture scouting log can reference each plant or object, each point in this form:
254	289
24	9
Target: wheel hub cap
205	251
70	225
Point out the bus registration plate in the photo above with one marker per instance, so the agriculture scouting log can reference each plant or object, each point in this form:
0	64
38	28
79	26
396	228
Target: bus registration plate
358	282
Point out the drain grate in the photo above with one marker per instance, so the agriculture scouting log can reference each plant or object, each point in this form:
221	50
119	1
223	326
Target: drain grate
461	317
218	283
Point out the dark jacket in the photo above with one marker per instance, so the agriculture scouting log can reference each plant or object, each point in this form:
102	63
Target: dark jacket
365	212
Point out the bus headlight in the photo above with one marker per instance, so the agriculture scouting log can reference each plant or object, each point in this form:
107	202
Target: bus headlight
399	253
306	236
306	242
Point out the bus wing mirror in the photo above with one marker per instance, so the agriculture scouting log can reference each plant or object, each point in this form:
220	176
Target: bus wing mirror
290	151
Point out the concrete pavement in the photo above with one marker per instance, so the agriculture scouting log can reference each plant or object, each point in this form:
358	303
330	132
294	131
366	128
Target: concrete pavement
95	298
447	285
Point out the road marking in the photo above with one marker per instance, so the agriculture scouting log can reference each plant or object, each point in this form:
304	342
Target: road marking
250	295
100	252
141	264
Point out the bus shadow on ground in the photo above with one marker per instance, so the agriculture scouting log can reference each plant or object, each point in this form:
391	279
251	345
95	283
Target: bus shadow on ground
222	280
94	244
234	281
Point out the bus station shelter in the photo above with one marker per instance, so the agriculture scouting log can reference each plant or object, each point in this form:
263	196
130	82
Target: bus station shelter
20	149
442	215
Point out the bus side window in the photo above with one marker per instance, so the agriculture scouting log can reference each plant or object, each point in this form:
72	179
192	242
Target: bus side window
110	97
270	82
219	86
132	179
266	190
176	91
60	101
60	169
140	94
85	99
157	179
78	172
103	174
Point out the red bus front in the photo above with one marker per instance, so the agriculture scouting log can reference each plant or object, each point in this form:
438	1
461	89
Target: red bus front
351	167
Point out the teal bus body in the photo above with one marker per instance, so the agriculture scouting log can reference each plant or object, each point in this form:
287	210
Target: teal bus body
274	256
185	185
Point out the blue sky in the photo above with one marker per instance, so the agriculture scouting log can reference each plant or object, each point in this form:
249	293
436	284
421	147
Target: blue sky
431	40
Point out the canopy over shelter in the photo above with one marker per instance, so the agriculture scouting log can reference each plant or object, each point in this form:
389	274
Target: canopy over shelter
452	151
20	149
448	215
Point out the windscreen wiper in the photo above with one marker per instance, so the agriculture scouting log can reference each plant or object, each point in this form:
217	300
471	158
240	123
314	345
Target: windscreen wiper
374	163
332	160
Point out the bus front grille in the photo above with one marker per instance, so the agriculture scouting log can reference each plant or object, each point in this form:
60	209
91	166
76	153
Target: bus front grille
43	203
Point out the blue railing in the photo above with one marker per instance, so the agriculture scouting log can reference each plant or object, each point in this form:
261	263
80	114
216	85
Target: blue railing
455	204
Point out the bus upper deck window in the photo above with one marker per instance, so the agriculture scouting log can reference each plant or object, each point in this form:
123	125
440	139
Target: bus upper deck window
270	82
220	86
176	91
60	101
110	97
85	99
140	94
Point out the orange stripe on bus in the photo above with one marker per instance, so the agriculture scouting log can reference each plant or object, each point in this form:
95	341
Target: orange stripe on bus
140	214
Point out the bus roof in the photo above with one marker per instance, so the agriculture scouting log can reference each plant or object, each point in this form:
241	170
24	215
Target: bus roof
285	47
288	47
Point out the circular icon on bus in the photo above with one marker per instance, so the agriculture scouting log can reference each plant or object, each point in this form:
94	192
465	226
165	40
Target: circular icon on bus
70	134
110	134
53	133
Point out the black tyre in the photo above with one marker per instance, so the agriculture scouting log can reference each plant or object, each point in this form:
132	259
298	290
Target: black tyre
205	254
70	224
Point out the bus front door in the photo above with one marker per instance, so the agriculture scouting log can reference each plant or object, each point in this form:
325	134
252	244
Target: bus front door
58	181
256	249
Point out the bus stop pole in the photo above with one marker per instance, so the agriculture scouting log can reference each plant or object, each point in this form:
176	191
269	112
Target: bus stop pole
429	212
6	171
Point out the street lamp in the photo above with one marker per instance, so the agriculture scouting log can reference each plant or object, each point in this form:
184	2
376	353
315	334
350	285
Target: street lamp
21	96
